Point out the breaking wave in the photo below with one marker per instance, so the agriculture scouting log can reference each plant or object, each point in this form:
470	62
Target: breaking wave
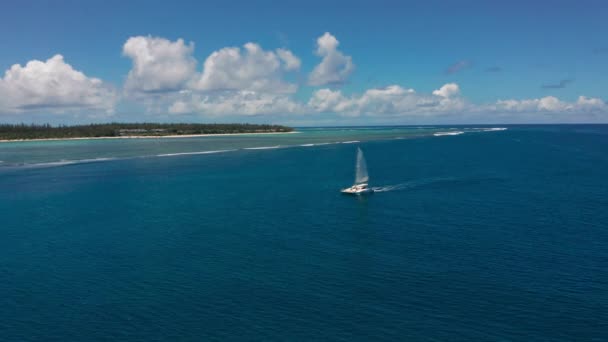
490	129
56	163
470	130
494	129
263	147
441	134
191	153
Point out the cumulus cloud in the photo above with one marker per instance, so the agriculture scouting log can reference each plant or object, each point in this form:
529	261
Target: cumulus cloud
335	67
251	68
590	103
291	61
447	90
53	86
391	100
327	100
159	65
234	80
549	104
397	101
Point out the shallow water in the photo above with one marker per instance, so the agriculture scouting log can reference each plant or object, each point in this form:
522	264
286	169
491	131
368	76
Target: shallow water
486	235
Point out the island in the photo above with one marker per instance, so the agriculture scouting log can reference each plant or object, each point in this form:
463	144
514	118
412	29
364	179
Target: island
130	130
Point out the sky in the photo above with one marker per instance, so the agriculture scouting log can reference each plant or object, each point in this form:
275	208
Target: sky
305	63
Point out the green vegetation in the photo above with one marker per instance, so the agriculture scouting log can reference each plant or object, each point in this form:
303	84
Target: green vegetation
22	131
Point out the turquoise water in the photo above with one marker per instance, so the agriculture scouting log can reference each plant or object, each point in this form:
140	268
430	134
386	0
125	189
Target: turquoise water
492	235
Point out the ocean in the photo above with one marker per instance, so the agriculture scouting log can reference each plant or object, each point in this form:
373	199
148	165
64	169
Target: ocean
474	233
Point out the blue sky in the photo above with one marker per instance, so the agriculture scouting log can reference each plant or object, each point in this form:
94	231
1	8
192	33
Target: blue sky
492	51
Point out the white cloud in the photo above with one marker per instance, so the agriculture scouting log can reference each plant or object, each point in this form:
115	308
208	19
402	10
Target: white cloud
548	104
159	65
515	105
447	90
243	102
335	67
53	86
391	100
246	81
542	110
291	61
251	69
552	104
327	100
590	104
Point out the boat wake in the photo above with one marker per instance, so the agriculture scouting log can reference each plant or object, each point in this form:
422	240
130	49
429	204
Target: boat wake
436	182
413	184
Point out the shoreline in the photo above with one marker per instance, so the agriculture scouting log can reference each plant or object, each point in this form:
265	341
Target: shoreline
146	137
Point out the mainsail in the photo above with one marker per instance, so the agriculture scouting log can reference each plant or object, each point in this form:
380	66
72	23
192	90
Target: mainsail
361	168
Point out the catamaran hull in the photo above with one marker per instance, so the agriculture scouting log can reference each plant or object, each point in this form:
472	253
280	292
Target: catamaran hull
357	192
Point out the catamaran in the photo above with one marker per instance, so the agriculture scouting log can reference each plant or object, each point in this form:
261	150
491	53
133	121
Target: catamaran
361	177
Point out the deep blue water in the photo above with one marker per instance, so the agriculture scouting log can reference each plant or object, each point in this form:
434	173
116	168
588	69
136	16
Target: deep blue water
483	236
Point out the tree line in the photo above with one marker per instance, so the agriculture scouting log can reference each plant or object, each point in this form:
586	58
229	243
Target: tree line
47	131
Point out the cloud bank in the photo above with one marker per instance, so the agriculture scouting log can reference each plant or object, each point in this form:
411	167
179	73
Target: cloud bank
249	80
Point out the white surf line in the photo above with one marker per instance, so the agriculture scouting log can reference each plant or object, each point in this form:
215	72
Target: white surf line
314	144
441	134
191	153
487	129
262	148
63	162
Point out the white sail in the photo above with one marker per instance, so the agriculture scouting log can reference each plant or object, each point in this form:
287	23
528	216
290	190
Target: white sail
361	168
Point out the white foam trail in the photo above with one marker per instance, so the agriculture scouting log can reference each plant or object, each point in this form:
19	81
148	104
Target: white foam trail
490	129
307	145
441	134
412	184
262	147
63	163
191	153
350	142
388	188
